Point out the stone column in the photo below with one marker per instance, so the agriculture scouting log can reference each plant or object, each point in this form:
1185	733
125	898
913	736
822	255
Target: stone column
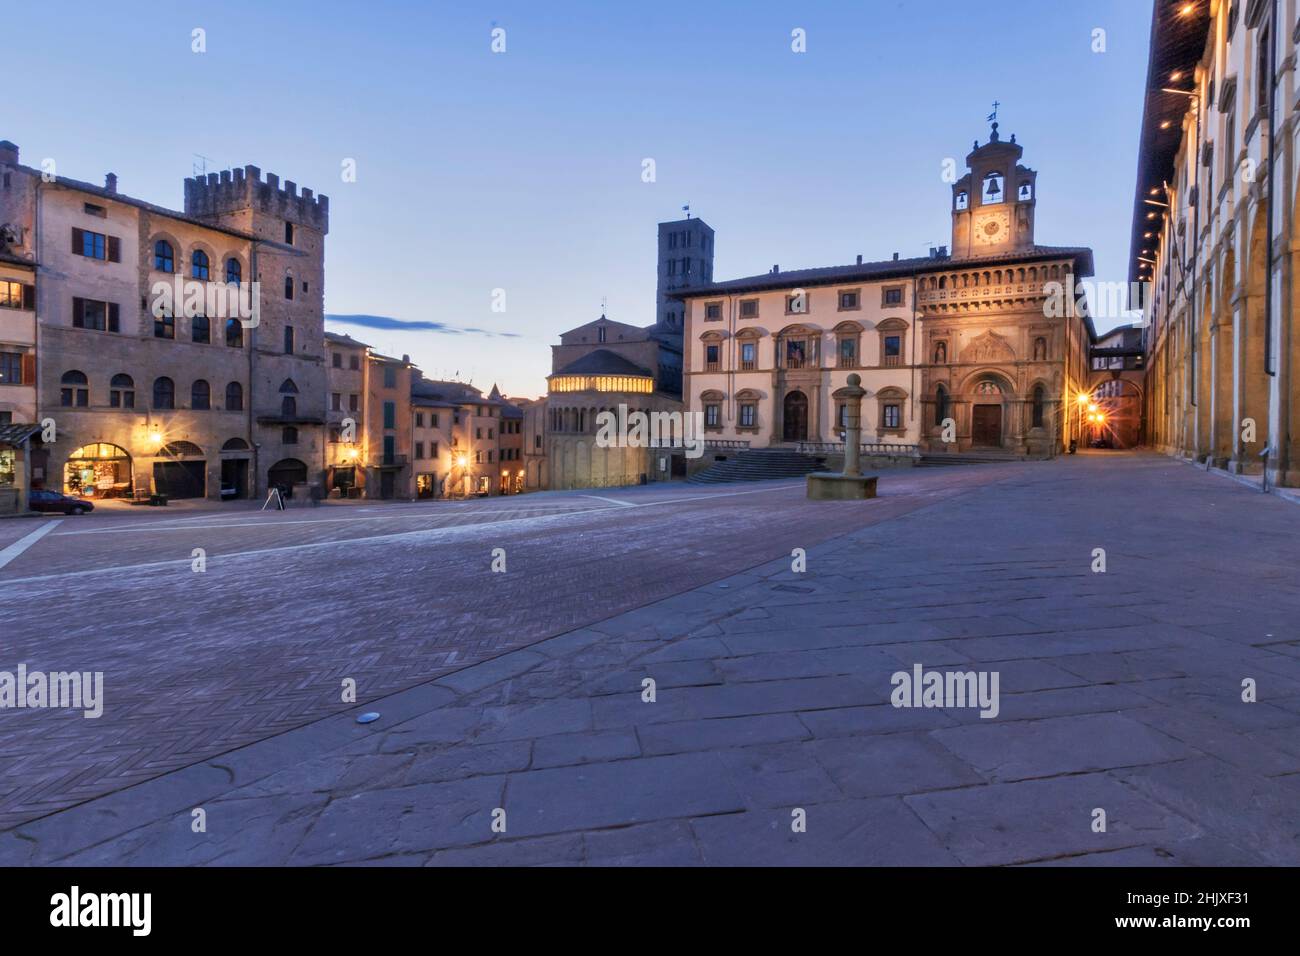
853	395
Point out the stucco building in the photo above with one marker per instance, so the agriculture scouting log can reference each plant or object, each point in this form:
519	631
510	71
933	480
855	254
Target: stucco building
974	350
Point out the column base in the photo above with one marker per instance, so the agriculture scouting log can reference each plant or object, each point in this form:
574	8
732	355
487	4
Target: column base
828	487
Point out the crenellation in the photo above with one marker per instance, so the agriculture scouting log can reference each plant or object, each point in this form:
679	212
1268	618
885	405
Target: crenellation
216	194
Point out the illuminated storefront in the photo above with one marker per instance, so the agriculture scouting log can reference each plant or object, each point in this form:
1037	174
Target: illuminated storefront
98	470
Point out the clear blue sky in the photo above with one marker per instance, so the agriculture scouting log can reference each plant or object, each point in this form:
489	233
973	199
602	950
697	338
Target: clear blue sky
522	170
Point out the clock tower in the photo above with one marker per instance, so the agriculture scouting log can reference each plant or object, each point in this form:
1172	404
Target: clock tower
993	204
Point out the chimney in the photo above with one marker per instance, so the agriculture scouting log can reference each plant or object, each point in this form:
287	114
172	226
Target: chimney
406	359
8	153
895	256
776	269
859	259
110	182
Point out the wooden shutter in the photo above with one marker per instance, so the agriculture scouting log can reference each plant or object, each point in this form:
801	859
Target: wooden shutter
29	298
78	242
114	249
29	368
113	317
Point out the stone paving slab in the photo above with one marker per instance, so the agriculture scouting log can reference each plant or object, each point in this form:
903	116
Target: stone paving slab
772	739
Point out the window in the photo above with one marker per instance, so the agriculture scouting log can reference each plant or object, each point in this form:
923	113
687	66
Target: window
992	192
390	377
713	312
419	450
96	245
711	357
1026	192
164	257
288	233
353	402
748	356
390	449
337	360
288	407
1263	69
433	420
940	406
15	295
848	352
850	301
92	210
796	353
354	362
796	303
200	329
891	416
91	314
288	340
336	402
1040	402
963	200
234	397
75	392
234	271
748	415
234	333
433	449
419	419
749	308
200	396
11	368
390	414
712	415
164	327
892	297
164	393
600	334
199	265
289	435
893	351
288	287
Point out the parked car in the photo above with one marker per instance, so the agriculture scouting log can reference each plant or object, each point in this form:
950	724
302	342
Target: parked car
53	501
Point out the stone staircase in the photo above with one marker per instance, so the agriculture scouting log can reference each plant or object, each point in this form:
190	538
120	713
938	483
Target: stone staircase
758	464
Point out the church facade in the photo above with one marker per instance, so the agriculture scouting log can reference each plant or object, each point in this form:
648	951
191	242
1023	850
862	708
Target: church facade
981	349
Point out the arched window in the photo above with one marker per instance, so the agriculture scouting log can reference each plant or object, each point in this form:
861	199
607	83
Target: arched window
1040	402
287	387
200	396
121	391
963	199
289	407
199	264
200	329
164	259
234	397
993	191
75	392
940	405
164	393
234	271
234	333
288	287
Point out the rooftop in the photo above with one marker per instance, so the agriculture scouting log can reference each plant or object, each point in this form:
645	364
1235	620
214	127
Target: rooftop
603	362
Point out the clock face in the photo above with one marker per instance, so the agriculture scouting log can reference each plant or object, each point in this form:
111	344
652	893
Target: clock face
993	229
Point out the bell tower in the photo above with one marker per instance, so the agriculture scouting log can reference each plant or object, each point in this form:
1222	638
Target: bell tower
993	204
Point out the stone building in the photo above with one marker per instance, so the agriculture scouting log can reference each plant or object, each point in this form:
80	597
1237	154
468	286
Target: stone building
978	350
18	421
155	367
1214	236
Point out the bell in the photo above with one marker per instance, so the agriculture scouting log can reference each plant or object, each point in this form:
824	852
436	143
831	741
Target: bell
994	189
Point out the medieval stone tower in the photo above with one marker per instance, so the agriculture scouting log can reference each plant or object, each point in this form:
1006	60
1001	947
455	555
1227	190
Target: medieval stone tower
993	204
685	259
287	375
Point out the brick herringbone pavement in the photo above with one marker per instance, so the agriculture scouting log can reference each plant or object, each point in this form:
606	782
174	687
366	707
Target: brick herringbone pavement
196	664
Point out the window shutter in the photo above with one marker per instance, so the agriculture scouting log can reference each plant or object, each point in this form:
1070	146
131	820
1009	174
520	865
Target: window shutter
29	298
113	317
78	246
78	312
114	249
29	368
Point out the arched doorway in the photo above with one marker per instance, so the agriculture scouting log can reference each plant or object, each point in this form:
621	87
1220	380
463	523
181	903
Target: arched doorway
234	469
794	417
286	473
180	471
986	415
98	470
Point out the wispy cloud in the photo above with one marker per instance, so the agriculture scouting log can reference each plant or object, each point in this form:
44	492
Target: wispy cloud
388	323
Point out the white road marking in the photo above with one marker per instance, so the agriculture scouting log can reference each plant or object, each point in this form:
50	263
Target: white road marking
22	544
612	501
